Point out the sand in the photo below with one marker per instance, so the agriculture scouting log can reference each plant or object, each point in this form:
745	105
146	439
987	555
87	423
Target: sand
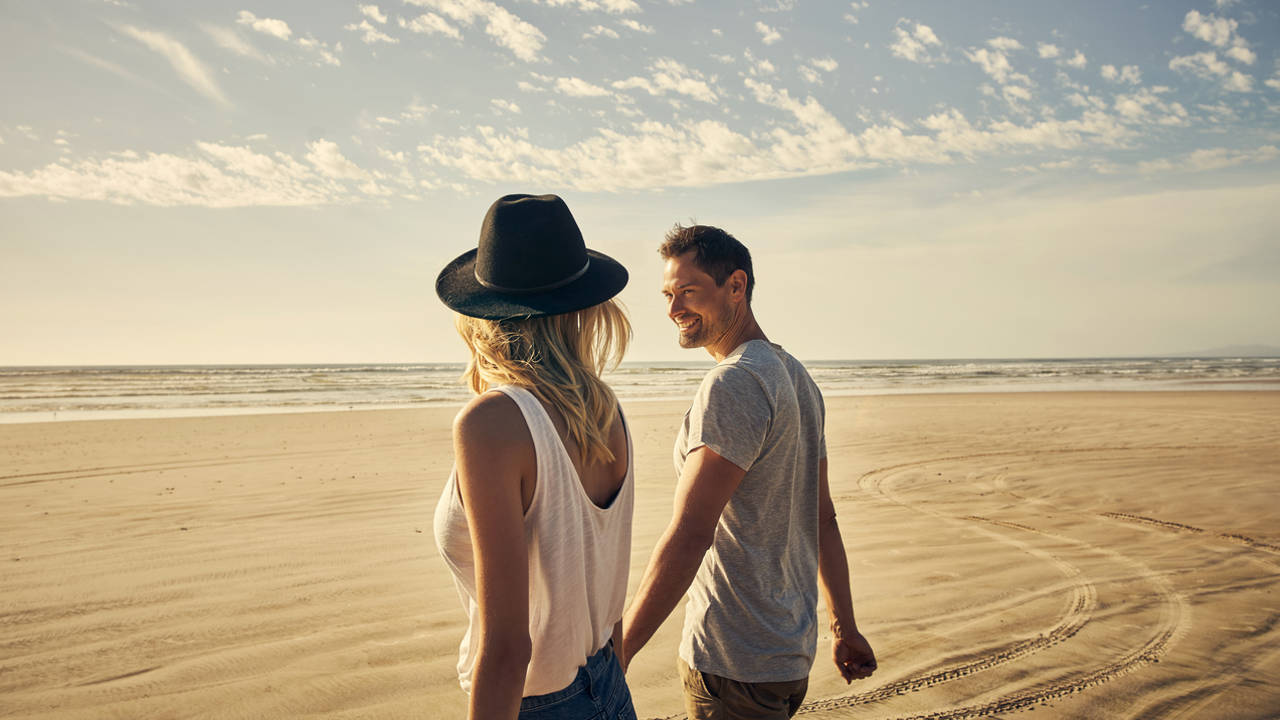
1075	554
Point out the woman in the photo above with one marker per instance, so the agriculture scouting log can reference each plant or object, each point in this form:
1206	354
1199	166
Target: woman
535	521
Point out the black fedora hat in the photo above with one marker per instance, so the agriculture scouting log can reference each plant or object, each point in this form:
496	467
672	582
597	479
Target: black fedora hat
531	261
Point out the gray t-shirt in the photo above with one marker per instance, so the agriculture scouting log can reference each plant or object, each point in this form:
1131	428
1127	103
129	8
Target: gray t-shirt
751	613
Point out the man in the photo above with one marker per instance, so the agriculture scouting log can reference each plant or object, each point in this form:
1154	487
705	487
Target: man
754	529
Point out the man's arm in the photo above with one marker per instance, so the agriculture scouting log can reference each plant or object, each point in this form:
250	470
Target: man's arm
852	653
705	486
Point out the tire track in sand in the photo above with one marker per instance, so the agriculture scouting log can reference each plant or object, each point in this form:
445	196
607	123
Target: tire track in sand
1174	613
1237	538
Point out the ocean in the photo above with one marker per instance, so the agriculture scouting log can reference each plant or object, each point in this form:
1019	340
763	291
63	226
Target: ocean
37	394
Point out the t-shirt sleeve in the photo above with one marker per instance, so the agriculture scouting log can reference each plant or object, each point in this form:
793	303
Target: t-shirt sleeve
731	415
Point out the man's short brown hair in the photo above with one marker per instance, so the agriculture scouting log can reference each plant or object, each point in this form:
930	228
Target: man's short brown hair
715	252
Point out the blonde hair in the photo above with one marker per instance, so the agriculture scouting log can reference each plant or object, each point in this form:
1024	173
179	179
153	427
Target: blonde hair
558	358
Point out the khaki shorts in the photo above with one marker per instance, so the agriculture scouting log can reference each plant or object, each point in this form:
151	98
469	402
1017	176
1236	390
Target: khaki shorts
711	697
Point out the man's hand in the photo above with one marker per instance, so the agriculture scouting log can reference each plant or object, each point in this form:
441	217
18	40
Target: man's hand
704	488
853	656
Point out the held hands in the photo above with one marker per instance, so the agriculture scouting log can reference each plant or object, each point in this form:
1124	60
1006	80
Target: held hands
853	656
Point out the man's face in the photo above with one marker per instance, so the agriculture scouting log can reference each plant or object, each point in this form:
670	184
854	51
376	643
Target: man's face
701	311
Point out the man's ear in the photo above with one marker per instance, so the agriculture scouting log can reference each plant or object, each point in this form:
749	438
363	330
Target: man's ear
738	282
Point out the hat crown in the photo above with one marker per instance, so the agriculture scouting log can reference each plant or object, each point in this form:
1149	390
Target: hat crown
529	243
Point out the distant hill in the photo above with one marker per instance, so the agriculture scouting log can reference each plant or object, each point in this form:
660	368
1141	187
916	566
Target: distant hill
1233	351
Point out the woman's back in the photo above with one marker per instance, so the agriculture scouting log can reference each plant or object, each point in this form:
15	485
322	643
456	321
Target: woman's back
601	480
577	533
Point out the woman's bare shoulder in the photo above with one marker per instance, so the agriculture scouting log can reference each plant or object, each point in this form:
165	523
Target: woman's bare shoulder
491	418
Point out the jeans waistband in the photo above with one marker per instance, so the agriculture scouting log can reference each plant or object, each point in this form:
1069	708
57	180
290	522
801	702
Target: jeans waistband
588	680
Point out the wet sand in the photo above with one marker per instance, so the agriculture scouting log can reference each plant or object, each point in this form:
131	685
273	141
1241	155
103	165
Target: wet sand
1075	554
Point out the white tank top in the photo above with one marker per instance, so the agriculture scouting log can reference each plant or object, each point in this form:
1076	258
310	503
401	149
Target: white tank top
579	558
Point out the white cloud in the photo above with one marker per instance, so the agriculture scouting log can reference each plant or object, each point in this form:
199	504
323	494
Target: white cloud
577	87
913	45
1048	50
429	24
1145	106
505	28
1207	159
993	62
1241	53
321	49
329	160
654	155
636	26
505	106
760	67
1047	165
767	34
855	7
371	34
613	6
809	140
1204	64
1016	93
218	176
666	76
1220	32
398	158
267	26
1207	65
1129	73
601	31
1210	28
1220	113
812	71
373	13
188	66
229	39
1077	61
109	67
280	30
1238	82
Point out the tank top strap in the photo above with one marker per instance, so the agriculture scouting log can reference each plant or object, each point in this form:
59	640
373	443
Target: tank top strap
546	441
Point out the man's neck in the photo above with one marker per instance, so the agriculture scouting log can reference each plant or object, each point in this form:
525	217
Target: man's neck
745	330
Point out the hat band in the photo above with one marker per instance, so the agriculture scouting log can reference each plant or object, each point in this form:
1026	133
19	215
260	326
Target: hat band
540	288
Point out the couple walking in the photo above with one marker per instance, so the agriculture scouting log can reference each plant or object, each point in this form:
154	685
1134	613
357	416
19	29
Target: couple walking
535	520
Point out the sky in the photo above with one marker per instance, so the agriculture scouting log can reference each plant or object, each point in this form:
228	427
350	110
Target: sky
280	182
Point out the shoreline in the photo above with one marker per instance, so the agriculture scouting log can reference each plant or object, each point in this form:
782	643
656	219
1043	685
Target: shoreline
46	417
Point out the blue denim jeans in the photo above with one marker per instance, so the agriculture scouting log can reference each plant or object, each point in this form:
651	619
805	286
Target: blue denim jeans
599	692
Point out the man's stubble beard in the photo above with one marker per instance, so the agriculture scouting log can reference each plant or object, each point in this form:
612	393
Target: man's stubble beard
708	334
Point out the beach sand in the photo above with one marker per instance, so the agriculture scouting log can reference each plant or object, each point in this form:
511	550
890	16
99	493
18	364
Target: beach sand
1076	554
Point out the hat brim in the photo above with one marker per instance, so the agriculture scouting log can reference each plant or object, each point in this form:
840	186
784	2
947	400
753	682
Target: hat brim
459	289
